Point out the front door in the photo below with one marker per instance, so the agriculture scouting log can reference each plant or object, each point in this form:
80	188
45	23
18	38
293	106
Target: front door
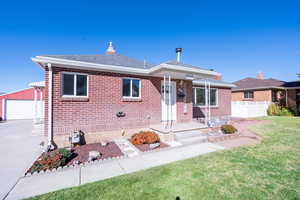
168	101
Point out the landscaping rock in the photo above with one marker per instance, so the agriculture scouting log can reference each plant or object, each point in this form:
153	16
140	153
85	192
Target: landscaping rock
154	145
94	155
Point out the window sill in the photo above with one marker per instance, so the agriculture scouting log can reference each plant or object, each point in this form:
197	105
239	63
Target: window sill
212	107
131	99
250	99
74	99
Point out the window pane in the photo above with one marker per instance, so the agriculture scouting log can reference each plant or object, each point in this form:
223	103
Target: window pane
251	95
126	87
200	96
135	88
213	97
68	84
81	85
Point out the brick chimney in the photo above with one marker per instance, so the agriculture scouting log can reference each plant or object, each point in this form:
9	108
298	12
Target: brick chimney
259	75
110	50
218	77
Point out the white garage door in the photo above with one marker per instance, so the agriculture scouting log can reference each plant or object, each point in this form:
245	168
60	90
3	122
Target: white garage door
19	109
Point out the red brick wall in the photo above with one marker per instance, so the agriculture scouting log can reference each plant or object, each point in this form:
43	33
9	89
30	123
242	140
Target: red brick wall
259	95
98	112
223	108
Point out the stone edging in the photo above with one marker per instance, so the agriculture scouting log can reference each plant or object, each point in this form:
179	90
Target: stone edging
67	167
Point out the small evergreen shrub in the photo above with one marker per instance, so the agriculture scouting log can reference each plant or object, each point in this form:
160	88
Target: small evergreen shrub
228	129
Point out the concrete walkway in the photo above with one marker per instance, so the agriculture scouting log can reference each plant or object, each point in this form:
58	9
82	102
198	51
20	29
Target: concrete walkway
48	182
19	148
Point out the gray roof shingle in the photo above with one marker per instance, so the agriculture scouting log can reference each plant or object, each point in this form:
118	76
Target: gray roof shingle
118	60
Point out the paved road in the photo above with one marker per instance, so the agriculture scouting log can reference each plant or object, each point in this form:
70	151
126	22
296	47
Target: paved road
18	149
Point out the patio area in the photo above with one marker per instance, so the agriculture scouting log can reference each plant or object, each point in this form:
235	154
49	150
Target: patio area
178	127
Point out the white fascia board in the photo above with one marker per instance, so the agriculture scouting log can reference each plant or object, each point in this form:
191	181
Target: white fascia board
259	88
227	85
118	69
182	68
87	66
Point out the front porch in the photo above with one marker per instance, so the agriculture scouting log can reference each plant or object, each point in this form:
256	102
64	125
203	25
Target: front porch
178	127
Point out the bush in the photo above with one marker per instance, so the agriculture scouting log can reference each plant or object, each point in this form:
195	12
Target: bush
276	110
228	129
51	160
273	110
145	137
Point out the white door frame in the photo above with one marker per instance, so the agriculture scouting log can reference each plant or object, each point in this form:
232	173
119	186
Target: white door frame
168	113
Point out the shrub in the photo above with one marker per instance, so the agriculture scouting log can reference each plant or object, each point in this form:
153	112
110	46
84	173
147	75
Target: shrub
51	160
144	137
286	112
228	129
276	110
273	110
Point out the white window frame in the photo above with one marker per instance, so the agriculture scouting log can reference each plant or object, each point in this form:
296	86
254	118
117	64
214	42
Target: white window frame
248	94
202	106
75	85
140	86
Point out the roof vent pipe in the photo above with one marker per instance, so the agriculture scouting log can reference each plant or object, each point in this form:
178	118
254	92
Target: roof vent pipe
178	51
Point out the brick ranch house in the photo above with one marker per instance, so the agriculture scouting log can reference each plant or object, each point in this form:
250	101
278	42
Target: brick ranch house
110	95
271	90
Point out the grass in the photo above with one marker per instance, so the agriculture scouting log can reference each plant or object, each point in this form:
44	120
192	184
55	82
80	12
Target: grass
269	170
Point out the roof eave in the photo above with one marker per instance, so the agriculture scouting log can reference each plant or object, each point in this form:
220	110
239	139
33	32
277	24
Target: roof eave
43	60
257	88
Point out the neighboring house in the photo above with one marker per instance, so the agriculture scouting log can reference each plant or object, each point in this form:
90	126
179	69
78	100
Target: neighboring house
106	95
270	90
22	104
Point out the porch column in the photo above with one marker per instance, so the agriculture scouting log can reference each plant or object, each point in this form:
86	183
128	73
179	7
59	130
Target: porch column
35	106
164	106
41	105
169	107
205	95
209	112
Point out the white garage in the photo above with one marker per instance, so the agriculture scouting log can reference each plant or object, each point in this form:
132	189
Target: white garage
19	109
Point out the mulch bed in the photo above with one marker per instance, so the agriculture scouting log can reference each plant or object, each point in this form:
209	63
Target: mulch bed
146	147
108	151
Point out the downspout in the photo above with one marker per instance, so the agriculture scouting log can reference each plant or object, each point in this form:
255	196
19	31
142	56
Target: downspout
50	133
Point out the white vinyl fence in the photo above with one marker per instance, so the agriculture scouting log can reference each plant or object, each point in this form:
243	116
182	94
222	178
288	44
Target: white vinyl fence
246	109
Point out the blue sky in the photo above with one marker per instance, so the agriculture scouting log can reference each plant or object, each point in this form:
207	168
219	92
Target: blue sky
236	38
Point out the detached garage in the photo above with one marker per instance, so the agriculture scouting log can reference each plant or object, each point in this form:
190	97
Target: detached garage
23	104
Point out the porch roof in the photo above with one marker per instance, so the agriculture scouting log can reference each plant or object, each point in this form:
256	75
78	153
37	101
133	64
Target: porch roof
214	83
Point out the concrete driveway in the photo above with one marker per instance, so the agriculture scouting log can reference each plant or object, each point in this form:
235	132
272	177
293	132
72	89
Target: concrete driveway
18	149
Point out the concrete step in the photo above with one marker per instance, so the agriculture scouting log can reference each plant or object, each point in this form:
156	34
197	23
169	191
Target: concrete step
192	140
190	137
188	134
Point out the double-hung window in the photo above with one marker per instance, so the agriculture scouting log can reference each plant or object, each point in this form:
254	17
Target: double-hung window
199	96
74	85
248	95
131	88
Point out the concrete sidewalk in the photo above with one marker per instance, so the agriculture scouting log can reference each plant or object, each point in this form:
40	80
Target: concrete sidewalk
19	149
48	182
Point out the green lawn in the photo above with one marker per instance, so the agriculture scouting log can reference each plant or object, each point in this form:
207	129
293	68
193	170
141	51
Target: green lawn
270	170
